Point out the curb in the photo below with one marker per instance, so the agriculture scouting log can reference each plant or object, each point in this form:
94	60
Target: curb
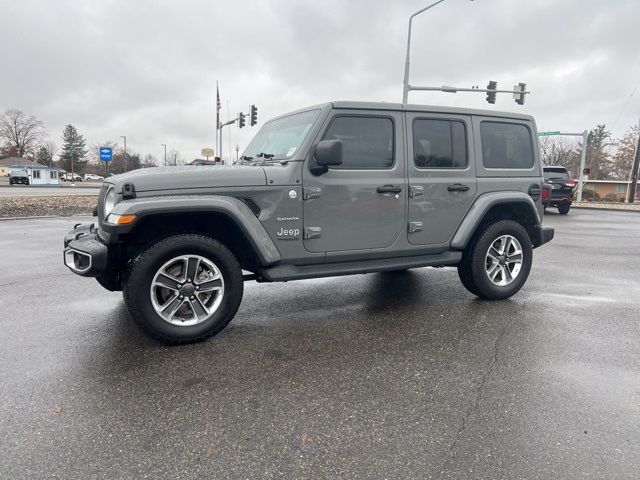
44	216
605	209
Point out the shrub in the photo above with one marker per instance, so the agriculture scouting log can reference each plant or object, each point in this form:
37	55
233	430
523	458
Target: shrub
589	195
611	197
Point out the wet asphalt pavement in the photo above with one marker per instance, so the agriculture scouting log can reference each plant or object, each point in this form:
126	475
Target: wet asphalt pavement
371	376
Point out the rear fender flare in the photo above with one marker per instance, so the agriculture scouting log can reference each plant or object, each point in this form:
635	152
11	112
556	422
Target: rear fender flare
481	207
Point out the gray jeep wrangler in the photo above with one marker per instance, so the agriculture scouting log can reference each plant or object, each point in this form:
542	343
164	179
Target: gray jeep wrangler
335	189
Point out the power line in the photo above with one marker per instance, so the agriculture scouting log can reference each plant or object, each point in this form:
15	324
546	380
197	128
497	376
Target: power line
626	103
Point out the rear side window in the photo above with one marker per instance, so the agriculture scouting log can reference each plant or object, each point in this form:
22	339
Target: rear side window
439	144
367	142
506	145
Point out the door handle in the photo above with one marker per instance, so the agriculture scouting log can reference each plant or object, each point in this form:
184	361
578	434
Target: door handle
458	187
389	189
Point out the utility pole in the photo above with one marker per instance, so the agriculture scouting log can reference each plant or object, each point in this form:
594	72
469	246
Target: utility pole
583	158
73	152
634	174
165	153
125	152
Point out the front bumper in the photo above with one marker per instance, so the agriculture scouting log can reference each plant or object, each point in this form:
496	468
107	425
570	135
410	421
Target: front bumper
541	235
84	254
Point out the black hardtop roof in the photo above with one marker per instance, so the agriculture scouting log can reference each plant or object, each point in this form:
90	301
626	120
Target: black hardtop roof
411	107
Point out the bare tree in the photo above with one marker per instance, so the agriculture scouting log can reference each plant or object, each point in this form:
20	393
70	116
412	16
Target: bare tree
174	158
560	151
149	160
622	160
20	133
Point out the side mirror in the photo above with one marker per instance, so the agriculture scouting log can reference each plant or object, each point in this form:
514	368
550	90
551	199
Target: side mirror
328	153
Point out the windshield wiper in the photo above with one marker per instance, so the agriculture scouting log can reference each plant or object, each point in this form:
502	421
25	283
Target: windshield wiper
245	160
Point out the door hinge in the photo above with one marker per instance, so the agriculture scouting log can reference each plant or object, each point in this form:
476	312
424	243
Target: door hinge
415	227
312	232
416	190
311	192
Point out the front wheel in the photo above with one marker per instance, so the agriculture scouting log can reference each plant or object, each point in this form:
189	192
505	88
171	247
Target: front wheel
185	288
497	264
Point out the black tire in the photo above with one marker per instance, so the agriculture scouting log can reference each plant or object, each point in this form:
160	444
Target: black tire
137	285
471	269
563	208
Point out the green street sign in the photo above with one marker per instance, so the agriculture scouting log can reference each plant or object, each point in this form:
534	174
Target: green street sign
548	134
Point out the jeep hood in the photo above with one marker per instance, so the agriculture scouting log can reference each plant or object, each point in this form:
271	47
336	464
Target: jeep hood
188	177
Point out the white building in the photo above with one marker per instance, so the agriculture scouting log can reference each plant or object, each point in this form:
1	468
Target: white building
41	175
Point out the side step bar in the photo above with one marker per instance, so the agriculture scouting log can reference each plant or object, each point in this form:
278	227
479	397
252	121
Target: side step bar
283	273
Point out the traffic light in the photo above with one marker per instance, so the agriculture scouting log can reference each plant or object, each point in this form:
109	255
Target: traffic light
253	115
519	97
491	96
241	120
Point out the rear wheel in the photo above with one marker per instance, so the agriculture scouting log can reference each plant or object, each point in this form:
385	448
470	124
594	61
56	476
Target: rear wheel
563	208
497	264
185	288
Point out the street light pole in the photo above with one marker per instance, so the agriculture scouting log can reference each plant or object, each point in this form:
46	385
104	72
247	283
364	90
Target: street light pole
125	152
165	153
407	63
583	158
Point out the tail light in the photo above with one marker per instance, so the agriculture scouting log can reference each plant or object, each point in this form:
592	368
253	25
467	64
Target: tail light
570	183
545	193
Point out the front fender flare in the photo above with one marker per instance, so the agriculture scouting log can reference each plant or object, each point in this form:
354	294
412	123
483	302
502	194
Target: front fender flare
233	208
480	208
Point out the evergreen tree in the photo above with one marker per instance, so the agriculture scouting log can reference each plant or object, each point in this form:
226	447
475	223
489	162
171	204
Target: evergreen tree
73	149
42	157
598	153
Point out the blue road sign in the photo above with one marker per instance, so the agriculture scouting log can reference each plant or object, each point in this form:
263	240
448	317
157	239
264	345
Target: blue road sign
106	154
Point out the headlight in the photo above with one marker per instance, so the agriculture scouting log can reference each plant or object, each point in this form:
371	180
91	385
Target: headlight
109	202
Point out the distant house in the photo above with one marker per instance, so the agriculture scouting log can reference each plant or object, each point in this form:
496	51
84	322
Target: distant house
38	174
619	188
8	163
41	175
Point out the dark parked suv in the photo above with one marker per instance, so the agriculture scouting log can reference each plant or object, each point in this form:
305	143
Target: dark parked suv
562	186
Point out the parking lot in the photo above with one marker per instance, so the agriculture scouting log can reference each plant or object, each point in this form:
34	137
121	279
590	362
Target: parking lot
402	375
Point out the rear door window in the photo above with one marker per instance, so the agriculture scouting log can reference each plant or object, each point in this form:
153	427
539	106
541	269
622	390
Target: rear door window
439	144
506	145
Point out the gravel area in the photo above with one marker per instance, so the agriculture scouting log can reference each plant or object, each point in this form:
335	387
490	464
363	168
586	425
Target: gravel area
608	206
39	206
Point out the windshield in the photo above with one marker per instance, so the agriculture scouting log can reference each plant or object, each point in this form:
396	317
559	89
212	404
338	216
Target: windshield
555	173
282	137
18	173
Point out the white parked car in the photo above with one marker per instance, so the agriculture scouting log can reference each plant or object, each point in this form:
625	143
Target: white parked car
67	177
92	177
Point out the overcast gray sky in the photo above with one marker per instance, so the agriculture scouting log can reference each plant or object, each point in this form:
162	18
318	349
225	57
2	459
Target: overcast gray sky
147	69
